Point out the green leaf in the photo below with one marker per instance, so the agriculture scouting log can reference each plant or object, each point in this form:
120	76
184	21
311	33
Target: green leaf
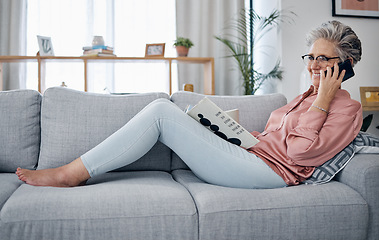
366	123
239	50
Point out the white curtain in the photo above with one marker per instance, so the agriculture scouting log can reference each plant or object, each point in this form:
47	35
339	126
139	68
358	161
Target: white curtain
126	25
200	21
13	41
266	51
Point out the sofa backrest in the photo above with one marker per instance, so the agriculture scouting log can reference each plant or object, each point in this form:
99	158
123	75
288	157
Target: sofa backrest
19	129
73	122
69	123
254	110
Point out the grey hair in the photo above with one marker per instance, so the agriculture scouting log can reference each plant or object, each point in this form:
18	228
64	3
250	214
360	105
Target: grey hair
346	41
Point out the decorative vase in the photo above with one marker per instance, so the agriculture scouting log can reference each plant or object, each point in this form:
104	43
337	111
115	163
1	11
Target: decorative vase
98	41
182	51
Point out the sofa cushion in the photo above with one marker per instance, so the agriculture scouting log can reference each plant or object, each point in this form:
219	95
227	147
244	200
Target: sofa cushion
361	174
257	107
73	122
19	129
117	205
328	211
8	184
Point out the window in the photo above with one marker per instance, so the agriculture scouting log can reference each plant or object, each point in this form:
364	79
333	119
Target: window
126	25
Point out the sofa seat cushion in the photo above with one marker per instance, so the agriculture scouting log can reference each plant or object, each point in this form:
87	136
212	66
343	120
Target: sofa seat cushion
19	129
8	184
73	122
116	205
254	110
329	211
362	174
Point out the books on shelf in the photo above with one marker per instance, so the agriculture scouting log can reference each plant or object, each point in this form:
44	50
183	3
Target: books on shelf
221	123
97	47
99	51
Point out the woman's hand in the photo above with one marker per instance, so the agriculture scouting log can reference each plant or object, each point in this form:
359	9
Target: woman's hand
329	84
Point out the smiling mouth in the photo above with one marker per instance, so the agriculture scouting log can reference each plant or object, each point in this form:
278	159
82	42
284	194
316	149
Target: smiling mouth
316	74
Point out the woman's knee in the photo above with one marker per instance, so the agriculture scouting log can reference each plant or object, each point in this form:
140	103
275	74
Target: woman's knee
162	105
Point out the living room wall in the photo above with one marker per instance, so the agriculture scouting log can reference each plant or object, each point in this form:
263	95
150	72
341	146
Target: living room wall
311	14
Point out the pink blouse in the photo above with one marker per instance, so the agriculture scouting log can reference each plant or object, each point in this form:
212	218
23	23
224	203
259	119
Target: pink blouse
296	140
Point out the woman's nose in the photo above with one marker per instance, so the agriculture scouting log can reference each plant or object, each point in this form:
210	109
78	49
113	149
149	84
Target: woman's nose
315	65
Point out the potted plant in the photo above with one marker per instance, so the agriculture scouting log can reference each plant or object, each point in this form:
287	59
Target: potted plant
182	46
241	47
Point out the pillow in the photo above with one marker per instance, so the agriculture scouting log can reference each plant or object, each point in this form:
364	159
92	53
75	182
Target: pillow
365	139
73	122
329	169
19	129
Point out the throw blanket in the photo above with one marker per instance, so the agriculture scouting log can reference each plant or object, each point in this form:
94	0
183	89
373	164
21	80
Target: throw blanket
363	143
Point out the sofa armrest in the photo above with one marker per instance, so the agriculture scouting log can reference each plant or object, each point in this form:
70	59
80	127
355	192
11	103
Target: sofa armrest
362	174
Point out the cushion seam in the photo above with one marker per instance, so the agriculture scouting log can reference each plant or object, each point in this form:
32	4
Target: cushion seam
100	218
283	208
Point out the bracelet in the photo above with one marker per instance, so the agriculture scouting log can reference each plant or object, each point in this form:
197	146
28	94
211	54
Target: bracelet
320	109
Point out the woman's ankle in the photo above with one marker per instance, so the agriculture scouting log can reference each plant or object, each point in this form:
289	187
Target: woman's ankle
75	173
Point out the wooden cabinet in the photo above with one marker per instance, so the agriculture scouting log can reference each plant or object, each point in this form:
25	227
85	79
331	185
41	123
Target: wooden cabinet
208	63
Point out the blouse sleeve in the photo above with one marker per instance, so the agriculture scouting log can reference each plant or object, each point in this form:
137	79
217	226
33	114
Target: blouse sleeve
318	137
255	133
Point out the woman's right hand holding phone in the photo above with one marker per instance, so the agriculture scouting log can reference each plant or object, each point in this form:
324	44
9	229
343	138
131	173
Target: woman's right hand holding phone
329	84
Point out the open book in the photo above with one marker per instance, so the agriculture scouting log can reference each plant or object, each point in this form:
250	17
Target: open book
219	122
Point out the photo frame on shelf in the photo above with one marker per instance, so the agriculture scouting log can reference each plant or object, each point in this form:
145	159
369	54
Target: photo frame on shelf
45	46
155	50
355	8
370	98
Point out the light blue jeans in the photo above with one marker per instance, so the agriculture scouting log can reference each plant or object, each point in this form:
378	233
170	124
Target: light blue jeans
211	158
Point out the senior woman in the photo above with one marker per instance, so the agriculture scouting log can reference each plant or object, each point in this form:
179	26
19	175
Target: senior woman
298	137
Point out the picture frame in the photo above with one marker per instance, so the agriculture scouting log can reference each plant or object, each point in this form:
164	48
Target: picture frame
155	50
355	8
369	98
45	46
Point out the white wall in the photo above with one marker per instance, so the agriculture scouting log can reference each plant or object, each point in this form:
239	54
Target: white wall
311	14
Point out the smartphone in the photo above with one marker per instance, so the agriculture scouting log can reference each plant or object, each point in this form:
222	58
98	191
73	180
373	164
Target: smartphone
346	65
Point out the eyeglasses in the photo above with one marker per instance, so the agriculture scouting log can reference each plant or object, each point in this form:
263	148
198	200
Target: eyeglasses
322	61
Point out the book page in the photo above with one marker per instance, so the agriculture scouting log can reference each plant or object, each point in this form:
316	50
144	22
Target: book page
218	121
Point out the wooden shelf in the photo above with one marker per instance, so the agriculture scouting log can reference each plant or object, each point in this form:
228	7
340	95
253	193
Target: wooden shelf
207	62
369	104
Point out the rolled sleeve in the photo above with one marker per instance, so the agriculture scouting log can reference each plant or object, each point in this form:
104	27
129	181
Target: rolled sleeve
318	137
302	138
310	123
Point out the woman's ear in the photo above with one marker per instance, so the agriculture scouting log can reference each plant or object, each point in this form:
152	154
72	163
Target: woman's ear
351	61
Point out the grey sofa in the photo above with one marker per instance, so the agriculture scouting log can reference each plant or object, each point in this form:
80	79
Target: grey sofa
158	197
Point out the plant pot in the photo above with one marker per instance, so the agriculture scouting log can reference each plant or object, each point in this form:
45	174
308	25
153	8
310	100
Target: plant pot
182	51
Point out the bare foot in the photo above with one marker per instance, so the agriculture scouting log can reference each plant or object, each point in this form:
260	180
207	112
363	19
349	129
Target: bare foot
70	175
